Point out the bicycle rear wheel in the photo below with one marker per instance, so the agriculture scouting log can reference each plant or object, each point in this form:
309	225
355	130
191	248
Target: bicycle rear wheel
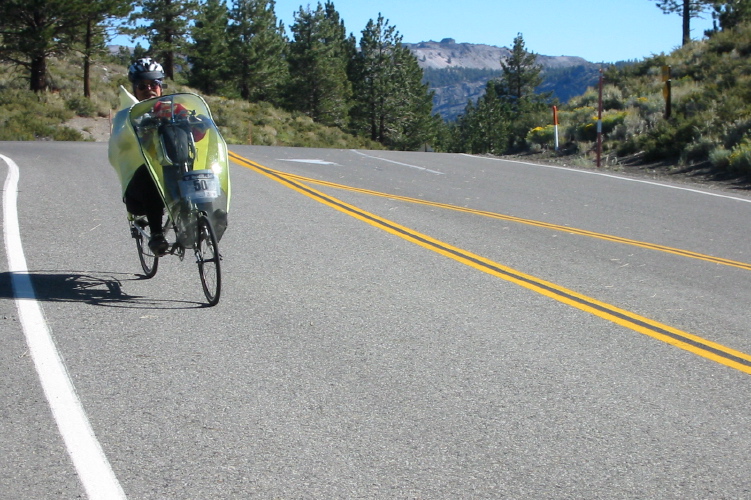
207	255
149	260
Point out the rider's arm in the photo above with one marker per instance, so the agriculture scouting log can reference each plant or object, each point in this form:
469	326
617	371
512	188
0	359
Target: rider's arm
198	123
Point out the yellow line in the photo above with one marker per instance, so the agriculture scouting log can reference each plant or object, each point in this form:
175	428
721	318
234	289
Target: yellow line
530	222
689	342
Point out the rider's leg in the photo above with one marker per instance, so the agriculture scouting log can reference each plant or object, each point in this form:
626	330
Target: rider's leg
142	198
155	219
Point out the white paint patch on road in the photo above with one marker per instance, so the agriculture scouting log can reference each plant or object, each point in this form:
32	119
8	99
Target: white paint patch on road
92	466
399	163
312	162
619	177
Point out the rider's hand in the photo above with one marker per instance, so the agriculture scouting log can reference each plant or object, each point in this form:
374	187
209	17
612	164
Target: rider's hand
199	124
163	109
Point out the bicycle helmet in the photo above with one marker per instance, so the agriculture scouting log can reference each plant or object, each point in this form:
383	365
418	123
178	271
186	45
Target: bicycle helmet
145	69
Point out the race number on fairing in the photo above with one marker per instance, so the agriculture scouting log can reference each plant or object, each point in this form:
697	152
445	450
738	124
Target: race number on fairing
200	186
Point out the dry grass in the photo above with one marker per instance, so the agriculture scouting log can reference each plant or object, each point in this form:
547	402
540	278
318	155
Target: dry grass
25	115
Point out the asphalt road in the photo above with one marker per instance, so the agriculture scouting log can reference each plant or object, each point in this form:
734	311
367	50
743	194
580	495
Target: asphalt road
392	325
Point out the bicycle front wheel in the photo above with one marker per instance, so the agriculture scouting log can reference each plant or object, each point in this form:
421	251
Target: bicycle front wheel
149	260
207	254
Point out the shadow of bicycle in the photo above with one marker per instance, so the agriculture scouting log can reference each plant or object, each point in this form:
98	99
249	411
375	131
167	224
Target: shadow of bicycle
99	289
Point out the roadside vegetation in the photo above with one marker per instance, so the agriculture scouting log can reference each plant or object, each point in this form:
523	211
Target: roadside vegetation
313	85
708	128
317	87
710	115
26	115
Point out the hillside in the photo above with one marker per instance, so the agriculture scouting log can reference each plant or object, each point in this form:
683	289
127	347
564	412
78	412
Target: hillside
565	76
65	115
707	134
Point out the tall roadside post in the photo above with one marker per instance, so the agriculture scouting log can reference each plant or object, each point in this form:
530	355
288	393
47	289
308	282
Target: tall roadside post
555	123
667	91
599	124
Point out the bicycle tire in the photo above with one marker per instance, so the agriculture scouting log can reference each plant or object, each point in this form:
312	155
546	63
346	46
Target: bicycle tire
209	267
149	260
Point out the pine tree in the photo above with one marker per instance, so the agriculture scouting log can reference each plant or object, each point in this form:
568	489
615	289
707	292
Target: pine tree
731	13
688	9
372	79
413	123
465	130
168	29
517	89
258	50
318	58
31	31
521	73
391	102
500	120
209	52
94	15
485	126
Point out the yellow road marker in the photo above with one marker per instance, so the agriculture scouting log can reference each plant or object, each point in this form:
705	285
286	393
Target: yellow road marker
692	343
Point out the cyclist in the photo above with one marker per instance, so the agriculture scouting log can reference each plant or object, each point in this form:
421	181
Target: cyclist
141	195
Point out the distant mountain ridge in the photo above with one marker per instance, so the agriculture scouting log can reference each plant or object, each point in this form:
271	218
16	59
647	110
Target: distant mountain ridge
565	76
449	54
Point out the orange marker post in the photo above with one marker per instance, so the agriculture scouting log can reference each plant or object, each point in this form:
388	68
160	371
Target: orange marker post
555	123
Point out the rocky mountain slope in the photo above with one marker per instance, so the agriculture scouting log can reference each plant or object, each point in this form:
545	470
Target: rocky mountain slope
449	56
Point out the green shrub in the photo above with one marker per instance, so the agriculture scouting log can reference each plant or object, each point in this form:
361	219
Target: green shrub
668	140
739	160
82	106
542	136
589	99
648	105
587	131
612	98
611	120
67	134
720	158
30	127
736	131
627	147
699	149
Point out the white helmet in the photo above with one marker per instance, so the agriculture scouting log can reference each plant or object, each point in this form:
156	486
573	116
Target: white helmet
145	69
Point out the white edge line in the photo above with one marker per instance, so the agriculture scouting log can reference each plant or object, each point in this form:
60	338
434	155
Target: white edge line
620	177
310	161
93	469
399	163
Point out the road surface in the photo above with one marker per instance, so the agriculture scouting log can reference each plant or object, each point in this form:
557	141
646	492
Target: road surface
392	325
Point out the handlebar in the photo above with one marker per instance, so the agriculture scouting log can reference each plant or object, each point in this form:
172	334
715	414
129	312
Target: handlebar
154	120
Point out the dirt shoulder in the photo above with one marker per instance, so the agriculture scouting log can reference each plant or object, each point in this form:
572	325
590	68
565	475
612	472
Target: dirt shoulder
699	175
93	129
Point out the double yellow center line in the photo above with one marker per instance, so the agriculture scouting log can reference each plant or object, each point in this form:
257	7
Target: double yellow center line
692	343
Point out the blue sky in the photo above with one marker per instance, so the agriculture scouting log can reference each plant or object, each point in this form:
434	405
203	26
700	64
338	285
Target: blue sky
597	30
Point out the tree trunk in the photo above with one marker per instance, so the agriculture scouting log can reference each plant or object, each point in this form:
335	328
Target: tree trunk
686	22
38	78
87	61
169	54
244	88
169	64
373	122
38	67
